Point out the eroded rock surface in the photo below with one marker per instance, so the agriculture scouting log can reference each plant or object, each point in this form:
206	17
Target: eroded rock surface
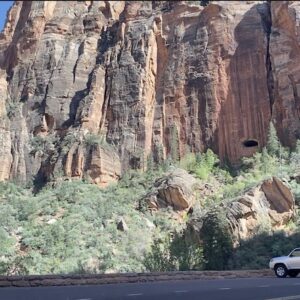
269	206
176	190
285	63
154	78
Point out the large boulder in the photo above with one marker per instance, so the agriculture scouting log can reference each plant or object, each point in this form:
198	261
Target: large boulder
266	207
176	190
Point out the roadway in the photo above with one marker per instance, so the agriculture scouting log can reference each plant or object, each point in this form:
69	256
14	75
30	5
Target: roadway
217	289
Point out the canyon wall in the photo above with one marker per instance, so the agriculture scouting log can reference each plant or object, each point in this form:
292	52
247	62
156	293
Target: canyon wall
89	89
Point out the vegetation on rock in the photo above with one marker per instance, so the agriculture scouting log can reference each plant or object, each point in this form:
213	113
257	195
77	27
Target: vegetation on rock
71	226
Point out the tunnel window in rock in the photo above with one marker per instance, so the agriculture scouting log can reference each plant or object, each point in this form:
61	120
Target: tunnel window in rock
250	143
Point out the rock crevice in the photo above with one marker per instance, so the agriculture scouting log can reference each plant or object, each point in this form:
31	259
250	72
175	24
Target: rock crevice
155	79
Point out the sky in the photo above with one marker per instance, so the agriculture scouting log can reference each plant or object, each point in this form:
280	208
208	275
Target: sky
4	6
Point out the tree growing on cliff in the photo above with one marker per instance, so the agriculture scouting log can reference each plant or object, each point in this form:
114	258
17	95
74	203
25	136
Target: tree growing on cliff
273	143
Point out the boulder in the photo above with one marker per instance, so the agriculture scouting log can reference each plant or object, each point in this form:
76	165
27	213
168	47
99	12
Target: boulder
176	189
267	207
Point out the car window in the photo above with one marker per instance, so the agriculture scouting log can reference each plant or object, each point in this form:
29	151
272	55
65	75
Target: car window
296	253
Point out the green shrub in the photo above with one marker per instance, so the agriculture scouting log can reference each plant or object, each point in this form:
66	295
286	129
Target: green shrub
174	252
73	227
294	161
159	258
69	140
188	162
217	241
12	109
256	252
93	140
295	187
43	145
202	165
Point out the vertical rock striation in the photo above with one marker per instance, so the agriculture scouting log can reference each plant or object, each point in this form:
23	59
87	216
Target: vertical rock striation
95	87
285	59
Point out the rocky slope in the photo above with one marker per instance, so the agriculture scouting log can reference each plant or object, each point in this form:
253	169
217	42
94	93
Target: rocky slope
268	206
95	87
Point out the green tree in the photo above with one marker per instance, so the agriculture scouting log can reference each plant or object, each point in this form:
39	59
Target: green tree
186	253
273	143
217	241
206	163
159	258
295	158
177	251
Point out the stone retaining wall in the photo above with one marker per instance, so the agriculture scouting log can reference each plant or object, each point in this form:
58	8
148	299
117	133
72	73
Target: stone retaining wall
60	280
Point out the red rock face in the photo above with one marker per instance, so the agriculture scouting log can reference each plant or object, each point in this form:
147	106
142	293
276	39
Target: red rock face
285	59
221	99
147	79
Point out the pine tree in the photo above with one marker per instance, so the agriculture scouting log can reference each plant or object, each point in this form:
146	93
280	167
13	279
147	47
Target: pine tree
273	143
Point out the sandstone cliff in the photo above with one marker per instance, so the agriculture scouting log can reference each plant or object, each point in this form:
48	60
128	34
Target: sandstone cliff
95	87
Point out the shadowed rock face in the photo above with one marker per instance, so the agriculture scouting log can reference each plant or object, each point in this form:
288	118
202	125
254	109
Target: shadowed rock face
151	78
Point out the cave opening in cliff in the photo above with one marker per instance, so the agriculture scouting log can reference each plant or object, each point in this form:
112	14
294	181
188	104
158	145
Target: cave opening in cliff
250	143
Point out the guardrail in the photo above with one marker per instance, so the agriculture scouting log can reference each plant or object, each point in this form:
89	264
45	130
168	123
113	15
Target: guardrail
96	279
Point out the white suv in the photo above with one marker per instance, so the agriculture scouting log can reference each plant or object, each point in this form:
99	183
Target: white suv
286	265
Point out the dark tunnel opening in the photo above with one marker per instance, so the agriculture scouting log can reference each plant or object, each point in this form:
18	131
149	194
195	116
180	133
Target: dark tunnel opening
250	143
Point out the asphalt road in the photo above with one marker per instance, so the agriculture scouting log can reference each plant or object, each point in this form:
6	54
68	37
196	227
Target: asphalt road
223	289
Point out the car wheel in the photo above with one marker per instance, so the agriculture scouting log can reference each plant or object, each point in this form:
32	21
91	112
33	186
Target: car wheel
293	273
280	271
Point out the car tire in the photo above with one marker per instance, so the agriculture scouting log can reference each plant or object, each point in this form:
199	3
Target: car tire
293	273
280	270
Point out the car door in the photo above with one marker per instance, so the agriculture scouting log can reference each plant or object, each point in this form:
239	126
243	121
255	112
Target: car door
294	259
